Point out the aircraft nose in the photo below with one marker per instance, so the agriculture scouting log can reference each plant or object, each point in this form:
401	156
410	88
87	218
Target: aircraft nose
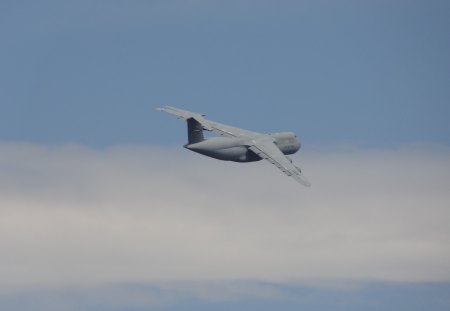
298	145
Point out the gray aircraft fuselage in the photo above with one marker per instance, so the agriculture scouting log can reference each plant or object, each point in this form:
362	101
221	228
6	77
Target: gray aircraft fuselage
236	148
240	145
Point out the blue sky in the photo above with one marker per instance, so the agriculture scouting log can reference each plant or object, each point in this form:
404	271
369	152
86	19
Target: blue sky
371	72
88	168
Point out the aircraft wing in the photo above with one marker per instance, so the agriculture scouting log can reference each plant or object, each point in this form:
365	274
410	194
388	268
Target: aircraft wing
266	149
208	125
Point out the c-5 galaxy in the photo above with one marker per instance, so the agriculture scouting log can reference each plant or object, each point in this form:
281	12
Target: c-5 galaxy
240	145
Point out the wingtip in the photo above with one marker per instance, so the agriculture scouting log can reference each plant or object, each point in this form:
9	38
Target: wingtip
303	180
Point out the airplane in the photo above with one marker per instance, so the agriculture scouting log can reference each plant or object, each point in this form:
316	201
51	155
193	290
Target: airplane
240	145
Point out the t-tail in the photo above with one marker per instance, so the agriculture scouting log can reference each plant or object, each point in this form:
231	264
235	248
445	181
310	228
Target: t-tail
195	131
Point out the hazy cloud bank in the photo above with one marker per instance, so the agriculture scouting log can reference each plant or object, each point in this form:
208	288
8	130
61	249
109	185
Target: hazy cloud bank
71	215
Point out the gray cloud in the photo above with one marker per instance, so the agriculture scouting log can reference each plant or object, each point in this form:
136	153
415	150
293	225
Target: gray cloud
71	215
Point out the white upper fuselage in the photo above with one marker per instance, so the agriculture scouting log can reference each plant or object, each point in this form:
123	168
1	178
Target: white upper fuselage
237	148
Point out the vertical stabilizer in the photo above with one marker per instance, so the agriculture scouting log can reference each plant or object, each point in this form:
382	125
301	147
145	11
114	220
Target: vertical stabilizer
195	131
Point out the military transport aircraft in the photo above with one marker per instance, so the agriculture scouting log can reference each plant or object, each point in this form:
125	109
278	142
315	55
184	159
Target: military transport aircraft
240	145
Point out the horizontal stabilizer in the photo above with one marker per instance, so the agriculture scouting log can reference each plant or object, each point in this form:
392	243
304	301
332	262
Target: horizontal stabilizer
184	114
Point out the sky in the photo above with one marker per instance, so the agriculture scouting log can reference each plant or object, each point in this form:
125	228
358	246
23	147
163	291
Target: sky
102	209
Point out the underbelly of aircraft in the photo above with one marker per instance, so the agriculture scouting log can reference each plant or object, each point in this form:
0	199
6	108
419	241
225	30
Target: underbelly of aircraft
236	154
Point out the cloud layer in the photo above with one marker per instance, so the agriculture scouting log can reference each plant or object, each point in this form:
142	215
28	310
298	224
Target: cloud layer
72	215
